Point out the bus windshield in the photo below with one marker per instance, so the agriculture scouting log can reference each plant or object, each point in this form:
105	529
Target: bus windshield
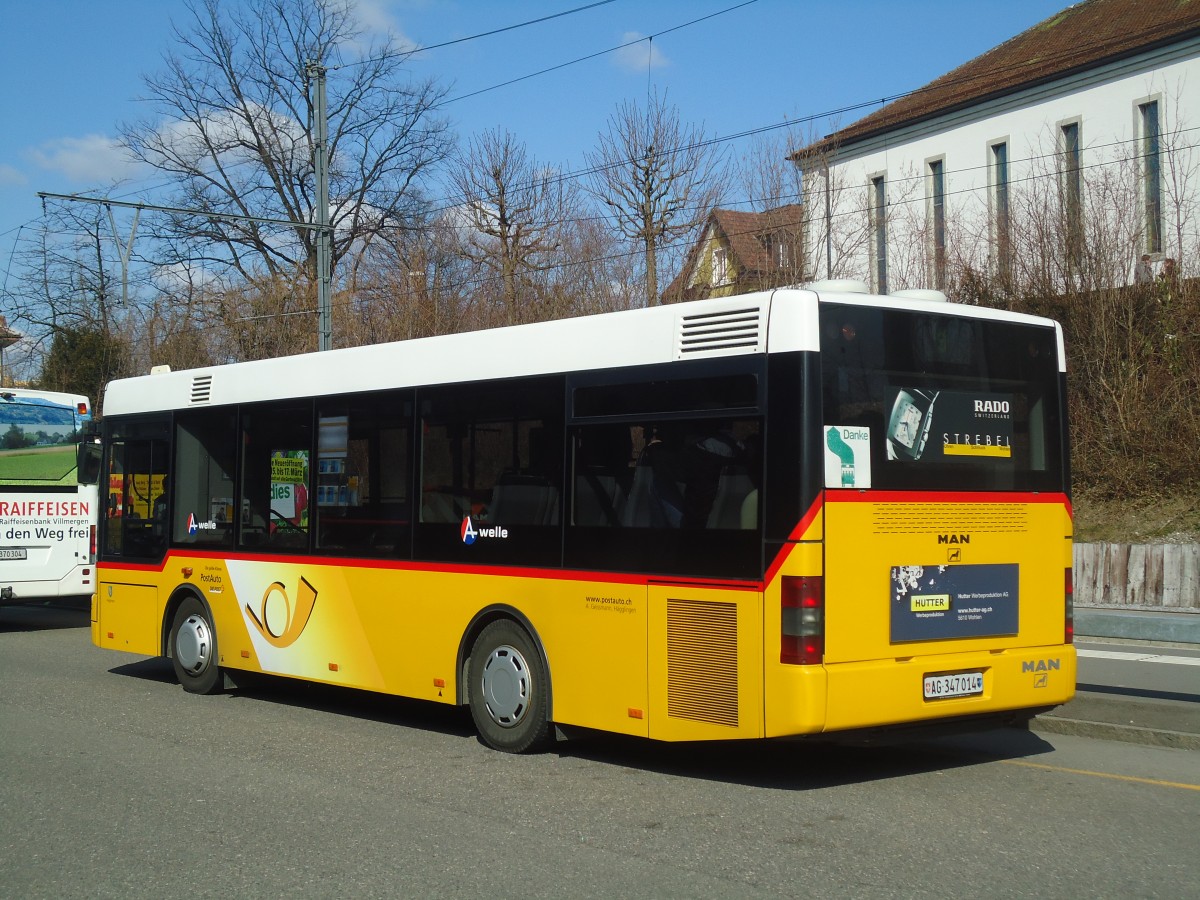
39	436
916	401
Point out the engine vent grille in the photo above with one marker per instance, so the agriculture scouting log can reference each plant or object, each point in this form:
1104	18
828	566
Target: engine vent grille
201	389
739	329
702	654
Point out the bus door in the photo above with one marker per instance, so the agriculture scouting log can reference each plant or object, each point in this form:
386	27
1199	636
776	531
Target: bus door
134	530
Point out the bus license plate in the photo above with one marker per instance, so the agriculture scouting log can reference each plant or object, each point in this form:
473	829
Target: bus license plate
13	553
954	684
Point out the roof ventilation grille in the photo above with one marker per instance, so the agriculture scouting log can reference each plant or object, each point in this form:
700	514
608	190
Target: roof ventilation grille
734	330
201	389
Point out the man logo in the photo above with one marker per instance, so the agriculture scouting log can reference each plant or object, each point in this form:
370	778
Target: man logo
468	531
1040	665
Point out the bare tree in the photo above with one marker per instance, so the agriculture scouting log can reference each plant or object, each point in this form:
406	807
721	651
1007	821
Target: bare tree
68	305
415	282
657	177
517	210
236	134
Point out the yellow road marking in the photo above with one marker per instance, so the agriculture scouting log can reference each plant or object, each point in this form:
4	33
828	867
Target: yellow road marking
1133	778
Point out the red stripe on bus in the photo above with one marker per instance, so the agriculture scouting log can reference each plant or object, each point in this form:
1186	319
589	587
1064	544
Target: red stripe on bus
806	521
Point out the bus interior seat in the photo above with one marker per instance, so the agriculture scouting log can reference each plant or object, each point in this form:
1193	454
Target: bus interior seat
732	490
524	501
599	500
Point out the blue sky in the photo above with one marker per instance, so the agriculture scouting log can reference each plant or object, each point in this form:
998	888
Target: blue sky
72	70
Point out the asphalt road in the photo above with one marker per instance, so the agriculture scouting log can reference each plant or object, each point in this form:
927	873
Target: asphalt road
114	782
1168	672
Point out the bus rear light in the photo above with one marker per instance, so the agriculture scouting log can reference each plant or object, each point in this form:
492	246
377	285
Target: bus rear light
82	408
802	620
92	546
1069	612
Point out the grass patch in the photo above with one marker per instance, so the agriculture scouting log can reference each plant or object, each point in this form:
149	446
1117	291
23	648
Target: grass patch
1143	520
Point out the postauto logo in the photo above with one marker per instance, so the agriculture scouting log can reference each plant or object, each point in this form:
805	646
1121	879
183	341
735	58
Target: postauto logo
470	534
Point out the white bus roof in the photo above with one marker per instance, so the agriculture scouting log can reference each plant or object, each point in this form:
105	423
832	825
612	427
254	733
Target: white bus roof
764	322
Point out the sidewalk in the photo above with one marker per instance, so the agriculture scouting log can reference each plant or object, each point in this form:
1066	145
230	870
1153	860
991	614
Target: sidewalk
1127	714
1121	717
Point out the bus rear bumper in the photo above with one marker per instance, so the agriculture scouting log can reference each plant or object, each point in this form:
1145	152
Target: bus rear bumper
926	689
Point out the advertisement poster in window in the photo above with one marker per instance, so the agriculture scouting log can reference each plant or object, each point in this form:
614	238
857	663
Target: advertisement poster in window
925	426
289	491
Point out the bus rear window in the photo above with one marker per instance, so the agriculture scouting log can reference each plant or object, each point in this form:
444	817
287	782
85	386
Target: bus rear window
914	401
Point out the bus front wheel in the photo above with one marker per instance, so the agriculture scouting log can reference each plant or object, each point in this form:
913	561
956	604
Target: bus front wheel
508	689
194	648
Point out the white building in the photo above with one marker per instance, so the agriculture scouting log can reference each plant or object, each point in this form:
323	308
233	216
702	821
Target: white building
1061	156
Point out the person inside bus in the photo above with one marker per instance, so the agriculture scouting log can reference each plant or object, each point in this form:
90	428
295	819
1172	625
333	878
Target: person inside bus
685	472
158	513
707	455
657	494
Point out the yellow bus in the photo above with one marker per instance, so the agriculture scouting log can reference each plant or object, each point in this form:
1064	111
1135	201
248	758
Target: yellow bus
804	512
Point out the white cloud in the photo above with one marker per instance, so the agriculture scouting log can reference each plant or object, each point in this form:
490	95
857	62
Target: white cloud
378	23
95	158
640	56
10	176
229	133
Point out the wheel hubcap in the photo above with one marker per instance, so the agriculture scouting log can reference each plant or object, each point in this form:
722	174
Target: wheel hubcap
506	686
193	645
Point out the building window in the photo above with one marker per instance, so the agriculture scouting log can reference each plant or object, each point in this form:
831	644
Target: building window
1151	149
1071	180
937	223
1001	220
720	266
878	215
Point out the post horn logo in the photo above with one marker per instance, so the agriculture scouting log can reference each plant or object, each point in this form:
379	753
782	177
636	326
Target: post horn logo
278	620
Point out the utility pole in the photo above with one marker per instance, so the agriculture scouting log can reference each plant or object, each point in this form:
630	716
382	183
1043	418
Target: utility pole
316	74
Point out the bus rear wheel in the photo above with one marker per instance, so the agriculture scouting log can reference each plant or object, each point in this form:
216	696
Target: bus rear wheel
509	689
194	648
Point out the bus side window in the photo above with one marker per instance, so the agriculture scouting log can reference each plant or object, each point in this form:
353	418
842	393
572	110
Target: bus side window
201	510
698	474
364	476
277	477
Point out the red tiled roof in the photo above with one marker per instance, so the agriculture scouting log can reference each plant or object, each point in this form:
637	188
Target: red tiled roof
744	233
1080	37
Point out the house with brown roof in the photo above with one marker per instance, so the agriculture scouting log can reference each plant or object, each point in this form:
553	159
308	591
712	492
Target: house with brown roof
742	251
1070	150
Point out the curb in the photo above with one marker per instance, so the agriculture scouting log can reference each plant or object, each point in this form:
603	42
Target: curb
1130	734
1138	625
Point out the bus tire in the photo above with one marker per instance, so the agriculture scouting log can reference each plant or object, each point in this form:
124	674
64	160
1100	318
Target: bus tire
194	648
509	689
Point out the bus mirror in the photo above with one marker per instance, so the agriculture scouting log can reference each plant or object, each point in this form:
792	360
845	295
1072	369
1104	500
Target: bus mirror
89	462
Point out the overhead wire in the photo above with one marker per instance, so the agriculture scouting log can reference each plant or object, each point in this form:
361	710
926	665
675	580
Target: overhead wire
580	59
